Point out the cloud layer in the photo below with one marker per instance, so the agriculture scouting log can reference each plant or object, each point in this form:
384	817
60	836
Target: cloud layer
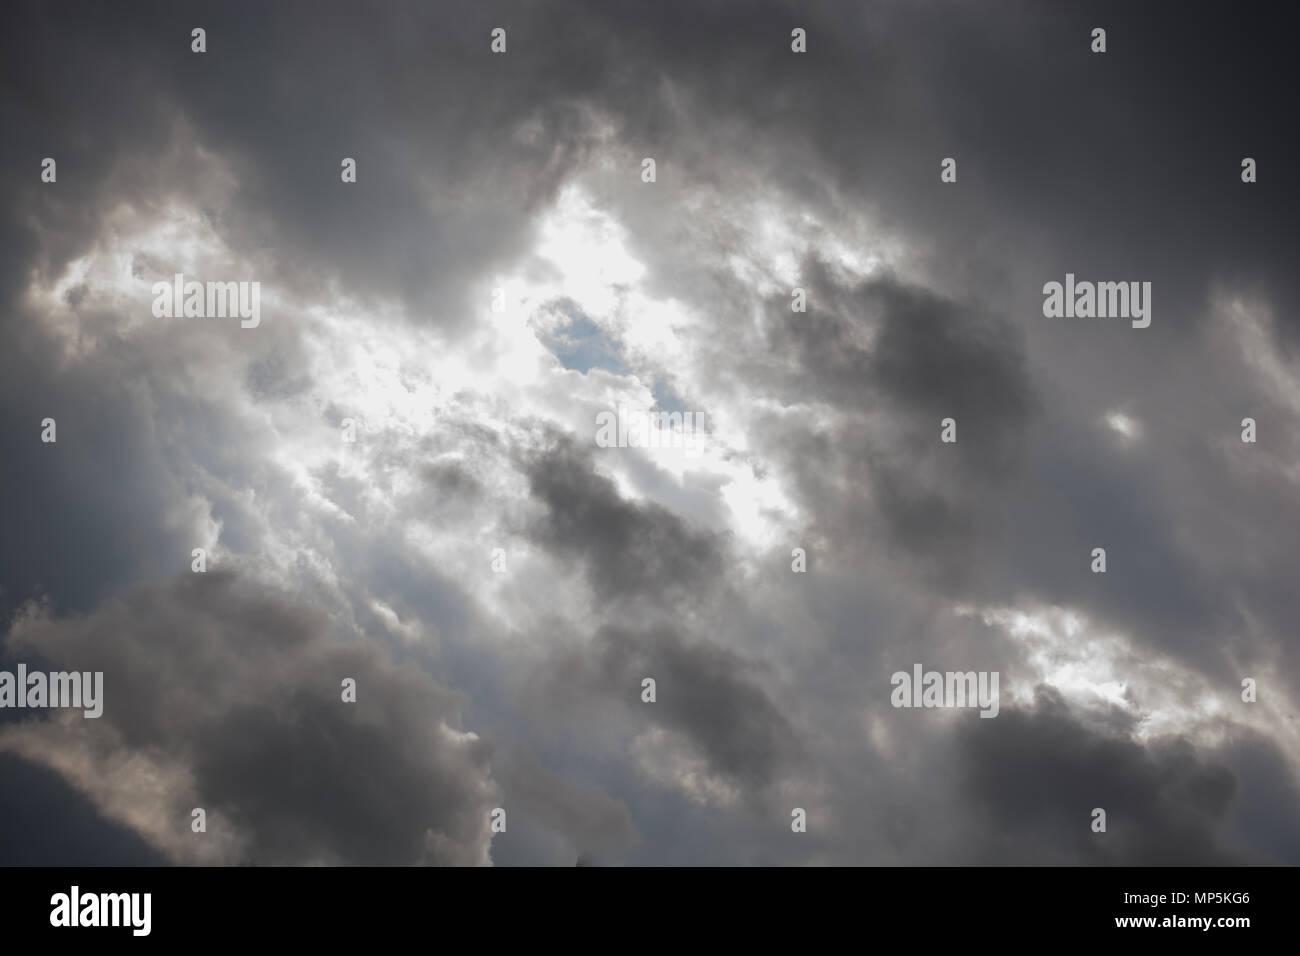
499	585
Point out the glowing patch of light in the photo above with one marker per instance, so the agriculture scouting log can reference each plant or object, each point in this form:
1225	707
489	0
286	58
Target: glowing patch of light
586	245
1129	429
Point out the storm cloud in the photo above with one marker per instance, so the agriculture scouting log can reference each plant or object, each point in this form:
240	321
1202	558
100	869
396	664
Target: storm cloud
395	477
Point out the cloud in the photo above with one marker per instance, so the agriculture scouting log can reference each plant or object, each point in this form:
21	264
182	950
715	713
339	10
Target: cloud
223	696
1038	779
709	694
775	171
630	551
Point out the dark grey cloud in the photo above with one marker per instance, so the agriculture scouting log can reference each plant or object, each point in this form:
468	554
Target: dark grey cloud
707	692
1040	776
896	360
629	551
237	693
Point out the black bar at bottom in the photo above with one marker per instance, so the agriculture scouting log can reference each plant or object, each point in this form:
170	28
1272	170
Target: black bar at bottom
333	905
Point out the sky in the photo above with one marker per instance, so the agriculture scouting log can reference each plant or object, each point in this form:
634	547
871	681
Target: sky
396	477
